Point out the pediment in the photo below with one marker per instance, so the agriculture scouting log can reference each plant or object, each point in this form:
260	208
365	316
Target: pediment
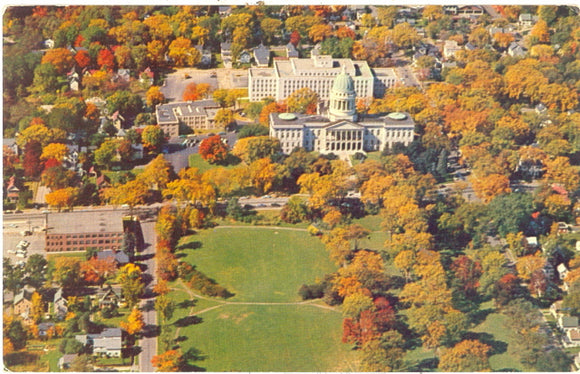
344	125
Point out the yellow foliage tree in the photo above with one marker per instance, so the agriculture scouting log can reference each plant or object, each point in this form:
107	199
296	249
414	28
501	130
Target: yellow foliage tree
58	151
61	198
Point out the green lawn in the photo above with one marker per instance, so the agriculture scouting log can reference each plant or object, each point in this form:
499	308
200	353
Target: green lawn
259	264
494	326
195	161
270	338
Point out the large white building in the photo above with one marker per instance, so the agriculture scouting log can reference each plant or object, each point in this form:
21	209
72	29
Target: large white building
342	130
318	74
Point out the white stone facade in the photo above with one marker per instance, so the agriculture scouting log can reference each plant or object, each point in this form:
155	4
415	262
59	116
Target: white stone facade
316	73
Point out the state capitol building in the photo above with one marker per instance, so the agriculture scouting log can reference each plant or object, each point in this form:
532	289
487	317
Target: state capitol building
341	130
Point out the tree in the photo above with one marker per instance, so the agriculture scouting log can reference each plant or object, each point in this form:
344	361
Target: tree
157	173
506	289
96	271
31	159
61	198
541	32
196	91
254	148
404	35
466	356
154	96
303	100
67	272
153	138
135	322
131	193
170	361
183	53
213	150
106	59
262	174
467	273
528	265
37	308
270	27
129	276
106	153
38	131
488	187
36	269
61	58
294	211
165	307
57	151
354	304
127	103
224	117
320	32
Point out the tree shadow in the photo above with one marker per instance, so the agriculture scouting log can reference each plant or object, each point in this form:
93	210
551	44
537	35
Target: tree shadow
497	347
193	355
143	257
181	338
180	255
187	304
190	245
151	331
425	365
479	316
188	321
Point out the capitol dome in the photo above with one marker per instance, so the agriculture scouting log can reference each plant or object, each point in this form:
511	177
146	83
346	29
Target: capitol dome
343	83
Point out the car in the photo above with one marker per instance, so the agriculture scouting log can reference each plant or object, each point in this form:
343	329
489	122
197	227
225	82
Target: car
261	205
275	204
17	211
8	212
266	197
213	74
45	211
25	232
12	251
21	255
23	244
211	134
221	133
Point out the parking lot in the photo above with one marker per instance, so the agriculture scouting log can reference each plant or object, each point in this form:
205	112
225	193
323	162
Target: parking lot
175	83
12	229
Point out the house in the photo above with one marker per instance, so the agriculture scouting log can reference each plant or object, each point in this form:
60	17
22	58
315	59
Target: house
516	50
108	343
60	305
147	76
117	119
103	182
11	143
562	270
123	75
572	338
12	191
108	297
205	55
65	361
23	302
470	47
44	327
48	44
226	54
291	50
527	20
450	48
262	55
245	57
119	257
224	11
555	309
541	108
566	323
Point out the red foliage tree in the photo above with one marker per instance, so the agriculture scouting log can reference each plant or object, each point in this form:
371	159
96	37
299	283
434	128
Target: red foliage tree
295	38
166	265
538	283
106	59
191	93
95	271
31	161
213	150
350	331
506	289
83	59
50	163
467	273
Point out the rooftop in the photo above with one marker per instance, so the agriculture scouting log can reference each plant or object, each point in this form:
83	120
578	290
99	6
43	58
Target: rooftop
169	113
85	222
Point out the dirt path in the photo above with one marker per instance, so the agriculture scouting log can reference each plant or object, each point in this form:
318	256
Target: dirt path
222	303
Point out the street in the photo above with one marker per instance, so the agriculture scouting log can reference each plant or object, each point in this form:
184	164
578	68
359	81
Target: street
148	343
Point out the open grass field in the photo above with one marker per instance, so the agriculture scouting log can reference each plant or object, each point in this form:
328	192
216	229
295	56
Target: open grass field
245	332
259	264
195	161
270	338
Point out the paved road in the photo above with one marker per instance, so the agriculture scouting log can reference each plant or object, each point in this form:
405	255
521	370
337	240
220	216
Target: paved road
148	344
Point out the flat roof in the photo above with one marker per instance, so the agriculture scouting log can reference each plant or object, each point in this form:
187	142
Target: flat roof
301	120
166	112
86	222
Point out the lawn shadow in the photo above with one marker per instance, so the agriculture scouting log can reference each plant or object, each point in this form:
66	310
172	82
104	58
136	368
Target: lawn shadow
497	347
188	321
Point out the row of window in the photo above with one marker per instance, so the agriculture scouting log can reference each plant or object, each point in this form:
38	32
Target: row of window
100	235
